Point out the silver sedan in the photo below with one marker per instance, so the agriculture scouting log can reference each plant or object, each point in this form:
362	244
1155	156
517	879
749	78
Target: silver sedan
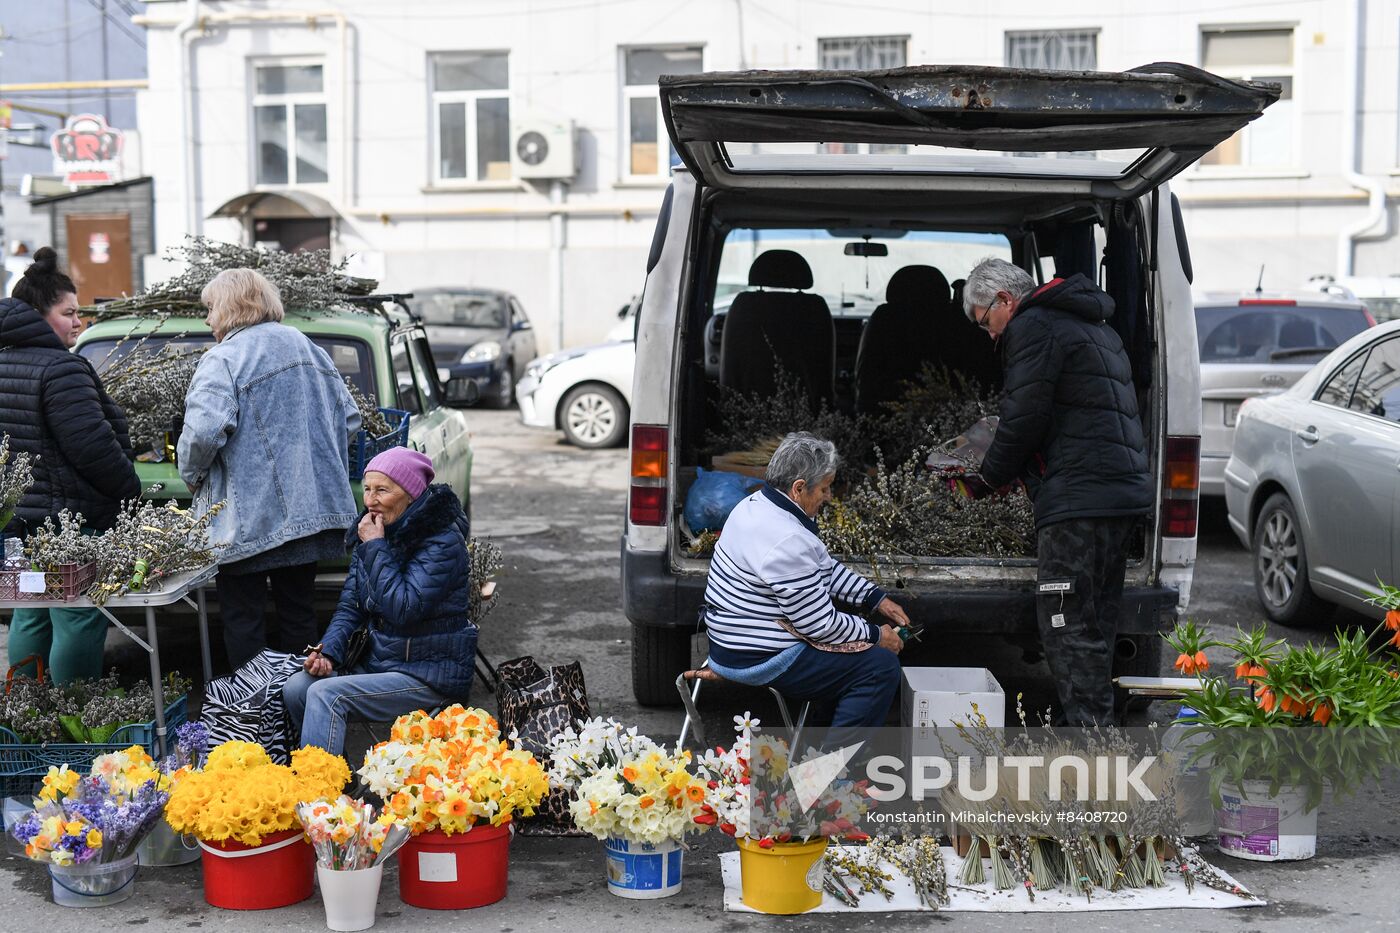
1313	482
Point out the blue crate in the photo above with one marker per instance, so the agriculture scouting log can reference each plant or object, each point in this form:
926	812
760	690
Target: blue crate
363	447
23	766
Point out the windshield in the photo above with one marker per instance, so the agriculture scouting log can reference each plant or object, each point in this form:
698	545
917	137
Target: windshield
351	357
854	284
1274	333
462	309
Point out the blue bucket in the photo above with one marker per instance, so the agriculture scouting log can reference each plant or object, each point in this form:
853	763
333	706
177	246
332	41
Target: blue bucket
643	870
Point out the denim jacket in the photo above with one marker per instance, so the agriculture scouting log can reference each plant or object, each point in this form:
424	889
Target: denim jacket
267	426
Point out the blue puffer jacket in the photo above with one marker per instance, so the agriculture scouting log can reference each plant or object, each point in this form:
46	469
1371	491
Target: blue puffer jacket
412	588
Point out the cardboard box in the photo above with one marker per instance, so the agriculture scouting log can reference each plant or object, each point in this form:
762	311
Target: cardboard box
942	696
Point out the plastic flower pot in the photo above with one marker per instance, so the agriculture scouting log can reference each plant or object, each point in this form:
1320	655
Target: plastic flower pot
95	884
276	873
643	870
164	848
1263	828
783	879
455	872
350	897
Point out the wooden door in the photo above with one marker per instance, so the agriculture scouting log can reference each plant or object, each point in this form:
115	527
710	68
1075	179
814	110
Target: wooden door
99	255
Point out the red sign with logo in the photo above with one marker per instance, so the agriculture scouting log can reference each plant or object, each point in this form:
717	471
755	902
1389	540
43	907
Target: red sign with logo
87	151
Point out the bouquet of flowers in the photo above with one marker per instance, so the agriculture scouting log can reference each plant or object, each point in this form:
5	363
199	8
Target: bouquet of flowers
449	771
344	832
752	793
133	767
240	795
626	786
79	819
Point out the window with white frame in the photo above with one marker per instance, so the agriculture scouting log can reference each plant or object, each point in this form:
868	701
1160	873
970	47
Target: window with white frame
289	123
471	116
1054	49
646	147
1254	55
862	53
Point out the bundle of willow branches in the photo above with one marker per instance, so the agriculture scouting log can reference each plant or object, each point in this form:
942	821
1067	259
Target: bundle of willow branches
150	386
307	280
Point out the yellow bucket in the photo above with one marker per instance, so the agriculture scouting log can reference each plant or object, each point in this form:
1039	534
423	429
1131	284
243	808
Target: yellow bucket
786	879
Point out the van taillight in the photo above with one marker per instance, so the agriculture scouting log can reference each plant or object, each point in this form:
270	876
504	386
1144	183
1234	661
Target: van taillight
1181	487
647	496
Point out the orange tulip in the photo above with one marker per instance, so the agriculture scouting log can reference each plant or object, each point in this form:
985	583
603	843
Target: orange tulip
1395	639
1323	714
1392	620
1242	669
1185	663
1266	699
1201	661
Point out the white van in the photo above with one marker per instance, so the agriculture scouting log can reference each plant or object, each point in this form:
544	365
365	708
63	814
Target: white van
792	175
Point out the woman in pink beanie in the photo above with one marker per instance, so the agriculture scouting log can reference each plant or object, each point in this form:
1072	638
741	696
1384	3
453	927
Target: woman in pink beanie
408	589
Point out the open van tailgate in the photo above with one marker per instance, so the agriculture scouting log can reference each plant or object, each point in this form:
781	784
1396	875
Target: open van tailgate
1170	113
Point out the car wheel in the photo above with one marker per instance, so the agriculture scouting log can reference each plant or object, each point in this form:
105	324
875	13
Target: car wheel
593	416
504	396
659	655
1281	567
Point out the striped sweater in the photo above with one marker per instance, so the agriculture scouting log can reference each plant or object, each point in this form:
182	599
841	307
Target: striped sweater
770	564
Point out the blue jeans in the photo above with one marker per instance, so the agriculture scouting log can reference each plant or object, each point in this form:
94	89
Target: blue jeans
323	705
862	684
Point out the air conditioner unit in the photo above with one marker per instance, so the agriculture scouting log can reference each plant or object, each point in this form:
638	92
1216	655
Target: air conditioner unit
541	148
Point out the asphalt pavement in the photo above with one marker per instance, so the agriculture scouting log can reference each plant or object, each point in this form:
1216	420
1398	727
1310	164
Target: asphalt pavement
556	512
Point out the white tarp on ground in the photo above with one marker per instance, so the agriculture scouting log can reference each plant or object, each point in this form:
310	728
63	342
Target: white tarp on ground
1014	901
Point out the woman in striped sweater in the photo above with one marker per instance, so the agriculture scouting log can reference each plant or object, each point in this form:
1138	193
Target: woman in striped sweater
771	601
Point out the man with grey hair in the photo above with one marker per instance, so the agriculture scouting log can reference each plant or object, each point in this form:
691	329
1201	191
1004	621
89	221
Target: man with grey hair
1069	429
770	602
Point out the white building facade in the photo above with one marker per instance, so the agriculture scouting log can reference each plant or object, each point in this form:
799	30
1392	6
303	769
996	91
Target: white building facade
408	136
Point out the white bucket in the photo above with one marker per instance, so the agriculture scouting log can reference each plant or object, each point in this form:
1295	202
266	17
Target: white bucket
1264	828
350	897
95	884
164	848
642	870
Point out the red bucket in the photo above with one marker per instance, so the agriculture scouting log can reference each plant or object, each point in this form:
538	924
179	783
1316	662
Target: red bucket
276	873
442	872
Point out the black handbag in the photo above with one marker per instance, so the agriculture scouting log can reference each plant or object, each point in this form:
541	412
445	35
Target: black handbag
355	646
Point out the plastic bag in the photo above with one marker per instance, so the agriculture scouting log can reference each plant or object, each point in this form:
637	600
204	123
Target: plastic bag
713	496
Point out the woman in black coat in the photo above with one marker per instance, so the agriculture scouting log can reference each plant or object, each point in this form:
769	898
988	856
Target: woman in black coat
53	406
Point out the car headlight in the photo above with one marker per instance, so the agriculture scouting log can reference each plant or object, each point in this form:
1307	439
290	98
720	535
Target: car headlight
541	365
487	351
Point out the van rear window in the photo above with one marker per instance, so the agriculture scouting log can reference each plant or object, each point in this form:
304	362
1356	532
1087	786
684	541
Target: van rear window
1274	333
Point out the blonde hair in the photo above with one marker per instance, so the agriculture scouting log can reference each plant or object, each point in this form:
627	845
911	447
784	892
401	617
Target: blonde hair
240	298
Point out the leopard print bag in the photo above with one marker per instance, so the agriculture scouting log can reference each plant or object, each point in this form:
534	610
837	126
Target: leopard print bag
537	704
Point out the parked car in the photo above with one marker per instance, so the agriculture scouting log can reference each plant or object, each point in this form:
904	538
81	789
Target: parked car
1379	293
1257	345
585	392
1310	485
383	351
478	335
866	155
626	326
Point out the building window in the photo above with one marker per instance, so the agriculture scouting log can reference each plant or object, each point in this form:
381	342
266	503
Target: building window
647	148
862	53
289	123
1254	55
471	113
1054	49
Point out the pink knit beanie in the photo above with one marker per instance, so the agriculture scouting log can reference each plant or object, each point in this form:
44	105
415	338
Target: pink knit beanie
409	468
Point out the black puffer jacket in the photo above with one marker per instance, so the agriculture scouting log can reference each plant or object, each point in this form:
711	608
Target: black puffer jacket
53	405
1069	421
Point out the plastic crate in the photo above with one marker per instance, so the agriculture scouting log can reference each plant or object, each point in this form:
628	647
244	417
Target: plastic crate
23	766
363	447
65	584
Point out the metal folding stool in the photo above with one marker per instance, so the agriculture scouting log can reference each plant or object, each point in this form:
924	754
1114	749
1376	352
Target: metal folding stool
692	721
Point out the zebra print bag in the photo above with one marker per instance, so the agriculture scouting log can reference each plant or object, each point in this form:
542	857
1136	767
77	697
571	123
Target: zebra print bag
247	706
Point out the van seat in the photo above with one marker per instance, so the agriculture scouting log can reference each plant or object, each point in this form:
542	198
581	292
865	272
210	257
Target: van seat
901	335
790	327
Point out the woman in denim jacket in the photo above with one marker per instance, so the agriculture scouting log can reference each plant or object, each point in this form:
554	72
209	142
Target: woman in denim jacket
267	426
409	585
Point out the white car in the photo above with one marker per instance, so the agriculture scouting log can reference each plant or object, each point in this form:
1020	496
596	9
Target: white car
585	392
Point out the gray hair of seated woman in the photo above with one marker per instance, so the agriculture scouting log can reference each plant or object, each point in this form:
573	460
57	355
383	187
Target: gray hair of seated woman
801	456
